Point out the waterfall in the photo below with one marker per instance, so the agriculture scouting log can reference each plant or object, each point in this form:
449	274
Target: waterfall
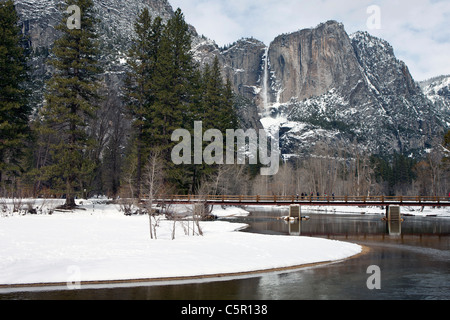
265	82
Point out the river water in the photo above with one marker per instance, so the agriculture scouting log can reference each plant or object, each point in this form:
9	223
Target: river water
413	258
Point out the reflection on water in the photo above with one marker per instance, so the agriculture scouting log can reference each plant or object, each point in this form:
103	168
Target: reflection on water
413	255
297	227
340	224
393	228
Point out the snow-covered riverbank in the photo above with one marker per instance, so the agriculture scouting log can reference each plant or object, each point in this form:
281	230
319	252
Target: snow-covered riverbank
100	243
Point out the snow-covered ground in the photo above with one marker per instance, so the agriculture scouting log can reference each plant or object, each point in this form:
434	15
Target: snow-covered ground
100	243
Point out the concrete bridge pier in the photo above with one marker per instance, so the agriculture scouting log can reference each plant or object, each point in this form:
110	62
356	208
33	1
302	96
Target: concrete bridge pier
295	220
295	212
394	221
393	213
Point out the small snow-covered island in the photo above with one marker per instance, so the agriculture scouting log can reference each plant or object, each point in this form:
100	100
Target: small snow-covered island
98	243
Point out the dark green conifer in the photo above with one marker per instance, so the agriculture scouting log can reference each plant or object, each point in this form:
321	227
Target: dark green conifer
174	88
14	109
71	101
215	109
139	93
172	85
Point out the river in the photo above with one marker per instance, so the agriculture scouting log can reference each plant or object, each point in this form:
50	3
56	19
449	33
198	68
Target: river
412	257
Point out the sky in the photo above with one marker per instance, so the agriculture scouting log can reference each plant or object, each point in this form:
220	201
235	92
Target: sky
418	30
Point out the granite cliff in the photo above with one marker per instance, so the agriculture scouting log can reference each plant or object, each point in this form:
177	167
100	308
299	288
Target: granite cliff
322	84
315	85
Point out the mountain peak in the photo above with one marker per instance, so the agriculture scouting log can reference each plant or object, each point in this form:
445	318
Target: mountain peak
363	38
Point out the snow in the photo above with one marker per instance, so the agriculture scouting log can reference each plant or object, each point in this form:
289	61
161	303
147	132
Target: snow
100	243
265	82
229	212
413	211
270	123
432	87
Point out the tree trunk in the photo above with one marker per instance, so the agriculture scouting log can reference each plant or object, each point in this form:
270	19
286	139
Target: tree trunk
150	218
70	198
139	165
70	202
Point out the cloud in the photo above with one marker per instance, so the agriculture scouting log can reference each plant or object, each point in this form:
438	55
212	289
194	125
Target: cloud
417	29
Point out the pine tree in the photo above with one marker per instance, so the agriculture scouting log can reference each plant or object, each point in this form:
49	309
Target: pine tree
231	119
217	106
166	91
173	80
215	110
71	101
14	110
139	93
173	86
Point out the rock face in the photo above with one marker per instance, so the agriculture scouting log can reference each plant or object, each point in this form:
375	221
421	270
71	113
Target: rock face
311	62
437	90
115	30
241	63
321	84
377	103
39	17
315	85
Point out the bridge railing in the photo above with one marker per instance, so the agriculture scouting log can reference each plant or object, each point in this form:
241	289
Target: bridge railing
309	198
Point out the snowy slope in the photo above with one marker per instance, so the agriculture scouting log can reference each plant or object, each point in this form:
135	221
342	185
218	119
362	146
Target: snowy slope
437	90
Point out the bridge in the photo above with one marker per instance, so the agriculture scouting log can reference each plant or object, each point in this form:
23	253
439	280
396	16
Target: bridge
275	200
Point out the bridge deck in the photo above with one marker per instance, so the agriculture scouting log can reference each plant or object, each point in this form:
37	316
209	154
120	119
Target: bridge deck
242	200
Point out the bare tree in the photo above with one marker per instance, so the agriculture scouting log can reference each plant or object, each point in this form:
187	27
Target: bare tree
228	180
153	184
283	183
201	210
423	178
434	159
261	185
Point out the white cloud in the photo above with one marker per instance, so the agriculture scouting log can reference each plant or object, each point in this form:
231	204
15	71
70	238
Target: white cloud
417	29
